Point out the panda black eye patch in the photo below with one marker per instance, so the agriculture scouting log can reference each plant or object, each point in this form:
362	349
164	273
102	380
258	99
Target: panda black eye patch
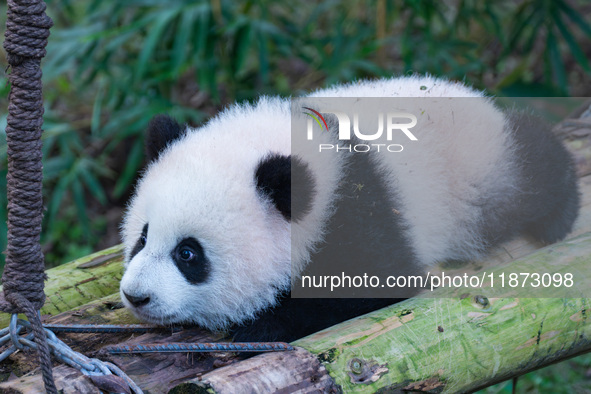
140	243
191	261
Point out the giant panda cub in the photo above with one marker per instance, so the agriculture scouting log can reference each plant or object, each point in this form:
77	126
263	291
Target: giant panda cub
213	238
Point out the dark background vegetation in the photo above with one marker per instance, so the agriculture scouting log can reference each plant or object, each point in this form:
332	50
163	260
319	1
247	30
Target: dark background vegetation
112	65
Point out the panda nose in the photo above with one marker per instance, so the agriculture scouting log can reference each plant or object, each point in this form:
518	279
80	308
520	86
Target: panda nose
137	301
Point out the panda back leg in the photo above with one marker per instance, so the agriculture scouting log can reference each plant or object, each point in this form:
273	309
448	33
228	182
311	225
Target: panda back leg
549	180
558	223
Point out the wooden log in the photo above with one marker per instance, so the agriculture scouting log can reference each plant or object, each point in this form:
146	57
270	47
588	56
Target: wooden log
67	380
410	330
295	371
81	281
437	344
156	373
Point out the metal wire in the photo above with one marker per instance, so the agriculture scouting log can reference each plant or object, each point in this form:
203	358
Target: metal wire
180	347
61	351
95	367
108	328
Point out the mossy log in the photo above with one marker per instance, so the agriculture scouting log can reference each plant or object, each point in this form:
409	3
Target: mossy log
80	282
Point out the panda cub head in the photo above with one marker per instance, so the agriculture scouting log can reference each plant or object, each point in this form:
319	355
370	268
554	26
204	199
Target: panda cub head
207	234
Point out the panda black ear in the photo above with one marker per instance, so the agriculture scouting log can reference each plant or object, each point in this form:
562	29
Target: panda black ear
275	177
162	130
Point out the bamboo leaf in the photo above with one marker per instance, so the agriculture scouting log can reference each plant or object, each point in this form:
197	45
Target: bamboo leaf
134	162
521	22
576	18
241	47
93	185
572	43
188	18
56	197
535	24
80	203
556	61
151	41
55	166
203	28
263	58
95	121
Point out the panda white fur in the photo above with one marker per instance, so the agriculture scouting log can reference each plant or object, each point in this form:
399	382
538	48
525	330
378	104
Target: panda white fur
210	230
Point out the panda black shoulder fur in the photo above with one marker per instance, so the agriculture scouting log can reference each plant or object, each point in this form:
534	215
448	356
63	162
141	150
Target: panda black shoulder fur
208	235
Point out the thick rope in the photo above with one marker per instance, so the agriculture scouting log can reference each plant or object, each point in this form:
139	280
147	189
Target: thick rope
27	30
40	339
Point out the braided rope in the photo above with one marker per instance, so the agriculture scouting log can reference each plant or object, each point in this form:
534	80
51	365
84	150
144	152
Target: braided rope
27	30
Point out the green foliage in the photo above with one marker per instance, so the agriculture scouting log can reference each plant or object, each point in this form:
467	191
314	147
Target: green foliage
546	30
571	376
112	65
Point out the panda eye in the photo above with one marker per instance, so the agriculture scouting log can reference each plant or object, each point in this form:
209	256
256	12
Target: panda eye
186	254
191	260
143	240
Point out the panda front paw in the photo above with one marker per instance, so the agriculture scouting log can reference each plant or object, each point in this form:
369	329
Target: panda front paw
262	330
